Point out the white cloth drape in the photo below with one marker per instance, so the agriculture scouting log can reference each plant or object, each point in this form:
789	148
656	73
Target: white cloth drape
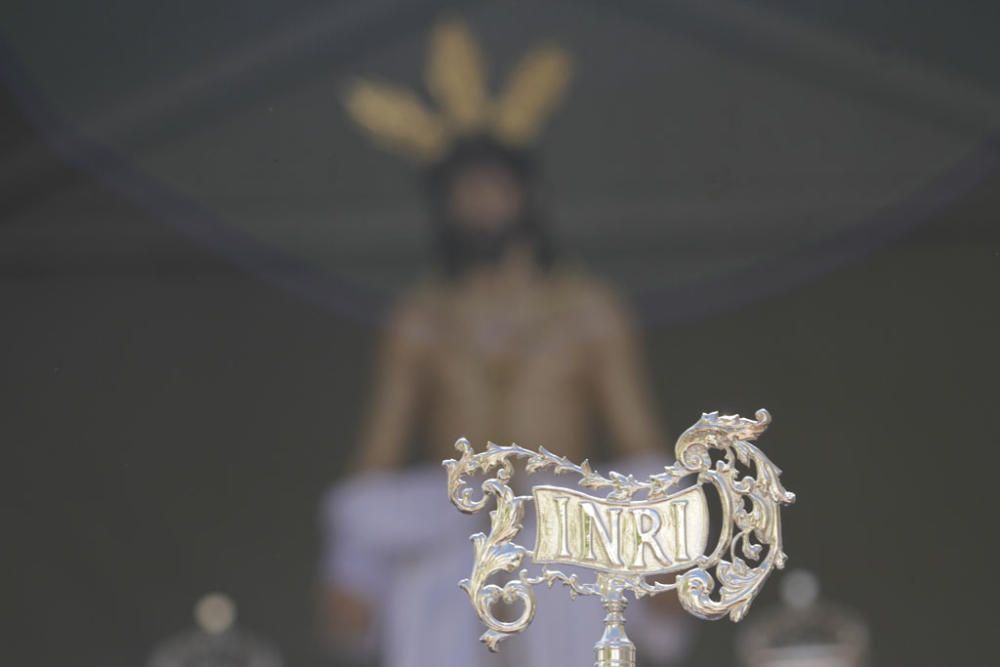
395	540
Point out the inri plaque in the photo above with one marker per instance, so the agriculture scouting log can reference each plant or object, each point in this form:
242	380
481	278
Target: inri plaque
642	536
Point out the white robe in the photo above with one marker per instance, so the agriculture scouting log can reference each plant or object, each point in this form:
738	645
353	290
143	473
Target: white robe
395	540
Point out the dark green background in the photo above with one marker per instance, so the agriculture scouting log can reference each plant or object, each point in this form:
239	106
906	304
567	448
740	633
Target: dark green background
169	423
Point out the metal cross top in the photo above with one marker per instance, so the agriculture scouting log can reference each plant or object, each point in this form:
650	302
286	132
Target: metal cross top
639	529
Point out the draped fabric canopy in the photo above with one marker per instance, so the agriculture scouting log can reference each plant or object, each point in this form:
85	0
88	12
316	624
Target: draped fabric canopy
705	156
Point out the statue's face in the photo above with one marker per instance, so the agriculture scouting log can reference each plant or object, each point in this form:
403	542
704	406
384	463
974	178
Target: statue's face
485	198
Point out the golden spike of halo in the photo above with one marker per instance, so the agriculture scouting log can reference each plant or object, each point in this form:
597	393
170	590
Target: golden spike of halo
397	119
456	73
456	76
532	91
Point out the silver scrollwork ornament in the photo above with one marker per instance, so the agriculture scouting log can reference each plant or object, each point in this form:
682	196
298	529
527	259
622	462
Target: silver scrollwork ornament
638	531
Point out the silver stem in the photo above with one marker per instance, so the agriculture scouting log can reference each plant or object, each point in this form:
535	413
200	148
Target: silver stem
615	648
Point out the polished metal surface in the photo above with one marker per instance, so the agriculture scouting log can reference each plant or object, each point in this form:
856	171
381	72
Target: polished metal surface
639	529
644	537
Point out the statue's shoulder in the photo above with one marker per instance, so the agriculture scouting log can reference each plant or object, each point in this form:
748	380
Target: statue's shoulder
589	293
595	307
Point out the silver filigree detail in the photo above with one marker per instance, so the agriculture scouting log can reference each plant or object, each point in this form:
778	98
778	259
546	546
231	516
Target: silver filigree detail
749	546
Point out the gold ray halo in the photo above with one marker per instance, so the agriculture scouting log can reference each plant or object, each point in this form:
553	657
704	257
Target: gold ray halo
457	79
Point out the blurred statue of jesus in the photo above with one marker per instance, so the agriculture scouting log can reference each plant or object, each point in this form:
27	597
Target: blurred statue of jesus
503	343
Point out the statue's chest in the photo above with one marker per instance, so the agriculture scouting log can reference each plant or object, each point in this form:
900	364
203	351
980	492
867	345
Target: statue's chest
507	354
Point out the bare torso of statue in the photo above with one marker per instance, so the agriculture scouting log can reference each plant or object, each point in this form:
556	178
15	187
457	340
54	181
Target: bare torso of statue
505	346
515	355
512	353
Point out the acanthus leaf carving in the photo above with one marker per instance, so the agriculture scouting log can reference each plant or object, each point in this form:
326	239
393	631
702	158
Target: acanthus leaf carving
749	546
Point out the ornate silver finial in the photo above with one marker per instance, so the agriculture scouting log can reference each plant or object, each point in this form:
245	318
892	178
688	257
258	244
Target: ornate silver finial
640	529
216	641
215	613
804	630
